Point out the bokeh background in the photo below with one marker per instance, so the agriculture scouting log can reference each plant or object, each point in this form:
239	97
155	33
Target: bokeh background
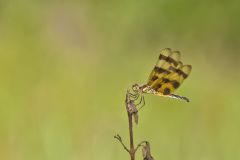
65	67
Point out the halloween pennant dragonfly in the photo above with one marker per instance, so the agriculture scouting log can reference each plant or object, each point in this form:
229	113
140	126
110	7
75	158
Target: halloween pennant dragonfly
167	75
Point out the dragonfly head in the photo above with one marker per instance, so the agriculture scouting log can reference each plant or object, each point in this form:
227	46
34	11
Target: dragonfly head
136	88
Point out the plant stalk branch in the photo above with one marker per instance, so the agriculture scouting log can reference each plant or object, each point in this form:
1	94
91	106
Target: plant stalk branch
118	137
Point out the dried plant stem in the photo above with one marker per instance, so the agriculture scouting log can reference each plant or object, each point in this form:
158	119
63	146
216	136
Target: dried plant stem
120	140
132	112
132	150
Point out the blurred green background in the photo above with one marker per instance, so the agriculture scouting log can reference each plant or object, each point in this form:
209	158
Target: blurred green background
65	67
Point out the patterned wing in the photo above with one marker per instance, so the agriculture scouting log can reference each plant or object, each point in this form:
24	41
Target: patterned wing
168	61
173	80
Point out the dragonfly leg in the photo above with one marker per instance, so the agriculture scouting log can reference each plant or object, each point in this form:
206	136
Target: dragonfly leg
140	101
134	96
143	103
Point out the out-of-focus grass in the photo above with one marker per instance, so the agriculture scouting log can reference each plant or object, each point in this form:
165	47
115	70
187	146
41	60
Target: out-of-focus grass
65	67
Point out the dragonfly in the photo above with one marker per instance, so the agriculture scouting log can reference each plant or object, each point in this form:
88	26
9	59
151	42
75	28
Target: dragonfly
167	75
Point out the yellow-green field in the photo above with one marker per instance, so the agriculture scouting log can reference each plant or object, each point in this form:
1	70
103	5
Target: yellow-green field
65	67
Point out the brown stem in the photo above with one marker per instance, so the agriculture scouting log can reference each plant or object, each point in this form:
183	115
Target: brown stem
133	112
132	150
129	106
118	137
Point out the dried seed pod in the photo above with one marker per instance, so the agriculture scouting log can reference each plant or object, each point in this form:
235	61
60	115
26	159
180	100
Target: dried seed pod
146	152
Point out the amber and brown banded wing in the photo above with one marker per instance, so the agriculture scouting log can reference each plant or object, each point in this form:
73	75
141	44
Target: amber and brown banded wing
158	69
167	59
172	81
